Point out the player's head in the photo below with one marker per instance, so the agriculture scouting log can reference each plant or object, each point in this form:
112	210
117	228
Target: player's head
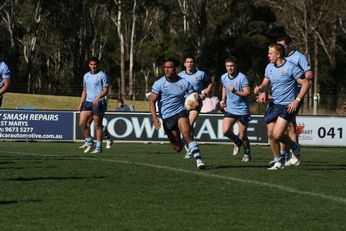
93	63
286	41
276	51
170	67
94	59
190	63
231	64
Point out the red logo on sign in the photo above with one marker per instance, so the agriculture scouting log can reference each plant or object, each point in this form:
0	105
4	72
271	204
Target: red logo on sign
300	129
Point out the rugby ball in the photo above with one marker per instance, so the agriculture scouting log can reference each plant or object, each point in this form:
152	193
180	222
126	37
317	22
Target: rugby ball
192	101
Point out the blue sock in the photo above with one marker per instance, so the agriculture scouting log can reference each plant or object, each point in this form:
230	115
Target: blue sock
283	154
89	141
99	145
194	150
278	159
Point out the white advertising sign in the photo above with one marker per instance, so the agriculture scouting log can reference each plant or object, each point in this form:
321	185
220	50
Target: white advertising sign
320	130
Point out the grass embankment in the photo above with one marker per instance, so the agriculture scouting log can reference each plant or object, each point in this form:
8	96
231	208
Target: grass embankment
53	102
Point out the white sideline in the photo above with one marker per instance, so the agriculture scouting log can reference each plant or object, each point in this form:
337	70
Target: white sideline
203	173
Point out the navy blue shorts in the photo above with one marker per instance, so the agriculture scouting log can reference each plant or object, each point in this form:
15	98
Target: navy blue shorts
99	110
171	123
243	119
274	111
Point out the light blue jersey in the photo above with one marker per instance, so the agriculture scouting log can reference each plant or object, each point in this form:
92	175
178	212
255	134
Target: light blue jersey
171	95
284	81
94	84
5	73
236	104
300	60
197	79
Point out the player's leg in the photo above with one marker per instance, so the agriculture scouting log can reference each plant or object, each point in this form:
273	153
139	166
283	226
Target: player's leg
294	159
170	126
174	139
98	114
279	135
99	133
275	146
227	125
193	114
242	125
85	129
184	127
106	136
84	123
88	124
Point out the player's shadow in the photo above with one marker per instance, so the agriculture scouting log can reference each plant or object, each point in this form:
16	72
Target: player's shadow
324	167
236	166
321	166
22	168
53	178
11	202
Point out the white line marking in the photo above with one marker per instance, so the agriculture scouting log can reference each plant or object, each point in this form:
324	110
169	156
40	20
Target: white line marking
202	173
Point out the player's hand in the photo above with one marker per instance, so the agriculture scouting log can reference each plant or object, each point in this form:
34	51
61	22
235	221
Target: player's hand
232	89
292	107
203	95
157	123
258	89
261	98
222	103
96	102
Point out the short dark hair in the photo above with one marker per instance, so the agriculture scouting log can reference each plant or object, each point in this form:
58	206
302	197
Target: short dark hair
232	59
120	100
189	57
93	59
175	62
279	48
287	39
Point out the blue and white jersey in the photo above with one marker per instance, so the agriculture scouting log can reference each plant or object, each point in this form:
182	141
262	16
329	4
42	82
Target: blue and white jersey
94	84
300	60
5	73
284	81
171	95
236	104
197	79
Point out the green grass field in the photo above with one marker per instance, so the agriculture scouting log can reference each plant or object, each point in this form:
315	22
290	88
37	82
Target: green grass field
53	186
54	102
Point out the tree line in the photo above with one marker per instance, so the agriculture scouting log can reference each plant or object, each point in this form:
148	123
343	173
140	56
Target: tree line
46	43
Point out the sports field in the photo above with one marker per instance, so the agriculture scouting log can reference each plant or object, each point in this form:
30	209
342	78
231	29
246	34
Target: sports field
53	186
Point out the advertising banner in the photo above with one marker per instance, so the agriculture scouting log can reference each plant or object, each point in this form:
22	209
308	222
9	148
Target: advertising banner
321	130
36	125
139	127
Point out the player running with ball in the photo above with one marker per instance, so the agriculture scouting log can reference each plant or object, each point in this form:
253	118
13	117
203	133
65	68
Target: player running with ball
170	91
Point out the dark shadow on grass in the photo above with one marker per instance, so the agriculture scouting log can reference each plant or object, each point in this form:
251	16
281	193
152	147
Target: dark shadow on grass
324	167
7	162
53	178
41	159
9	202
313	162
21	168
237	166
